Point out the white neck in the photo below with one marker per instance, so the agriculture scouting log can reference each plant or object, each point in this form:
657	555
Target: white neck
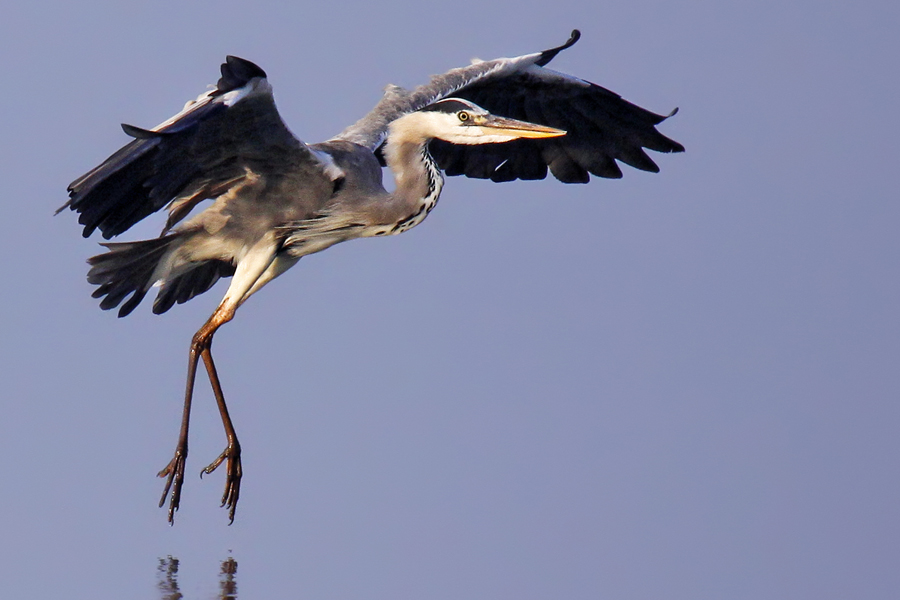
418	178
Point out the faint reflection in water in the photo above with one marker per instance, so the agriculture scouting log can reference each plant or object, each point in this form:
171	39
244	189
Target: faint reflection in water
227	584
167	573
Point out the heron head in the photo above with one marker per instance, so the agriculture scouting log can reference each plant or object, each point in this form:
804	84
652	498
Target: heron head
459	121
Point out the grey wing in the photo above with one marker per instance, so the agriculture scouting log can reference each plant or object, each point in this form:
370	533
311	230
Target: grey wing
601	126
222	137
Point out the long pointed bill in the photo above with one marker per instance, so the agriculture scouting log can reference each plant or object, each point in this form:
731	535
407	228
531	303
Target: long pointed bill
519	129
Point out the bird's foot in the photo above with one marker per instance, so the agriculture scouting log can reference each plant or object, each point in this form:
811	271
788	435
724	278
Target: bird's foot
232	454
174	474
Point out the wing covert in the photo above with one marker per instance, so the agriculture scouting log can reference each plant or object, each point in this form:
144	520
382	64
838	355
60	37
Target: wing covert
199	153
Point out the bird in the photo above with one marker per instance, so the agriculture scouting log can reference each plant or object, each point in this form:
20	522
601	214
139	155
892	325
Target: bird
273	199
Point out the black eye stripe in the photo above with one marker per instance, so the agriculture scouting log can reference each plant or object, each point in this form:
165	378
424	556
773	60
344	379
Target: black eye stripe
449	106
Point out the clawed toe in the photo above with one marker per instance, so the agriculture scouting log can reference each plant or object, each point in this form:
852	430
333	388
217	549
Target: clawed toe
174	474
232	457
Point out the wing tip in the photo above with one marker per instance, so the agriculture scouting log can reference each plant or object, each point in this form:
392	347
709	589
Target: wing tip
139	133
236	73
670	144
548	55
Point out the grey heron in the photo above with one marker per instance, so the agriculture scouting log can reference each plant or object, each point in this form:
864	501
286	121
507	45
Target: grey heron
275	199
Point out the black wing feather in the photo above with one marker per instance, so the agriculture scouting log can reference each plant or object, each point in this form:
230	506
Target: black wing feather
208	144
193	283
602	128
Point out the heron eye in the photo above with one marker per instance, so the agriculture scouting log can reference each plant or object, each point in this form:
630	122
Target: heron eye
463	115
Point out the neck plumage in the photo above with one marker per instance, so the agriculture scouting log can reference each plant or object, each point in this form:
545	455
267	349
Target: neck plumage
418	178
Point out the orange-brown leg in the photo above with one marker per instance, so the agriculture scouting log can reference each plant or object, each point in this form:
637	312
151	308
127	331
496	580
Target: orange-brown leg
232	452
174	471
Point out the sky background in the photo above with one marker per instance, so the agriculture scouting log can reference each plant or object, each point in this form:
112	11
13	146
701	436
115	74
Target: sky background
682	385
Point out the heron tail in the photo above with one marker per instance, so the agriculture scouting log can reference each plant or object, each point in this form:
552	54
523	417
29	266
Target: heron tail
127	268
131	268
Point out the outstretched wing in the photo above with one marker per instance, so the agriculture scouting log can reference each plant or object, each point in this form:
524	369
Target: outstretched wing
227	134
601	126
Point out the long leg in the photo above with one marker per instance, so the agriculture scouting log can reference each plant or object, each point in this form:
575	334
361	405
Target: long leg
249	270
174	471
232	451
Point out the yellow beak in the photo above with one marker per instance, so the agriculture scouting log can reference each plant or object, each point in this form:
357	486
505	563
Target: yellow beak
522	129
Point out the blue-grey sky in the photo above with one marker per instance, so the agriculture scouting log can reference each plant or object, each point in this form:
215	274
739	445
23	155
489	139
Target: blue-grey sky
681	385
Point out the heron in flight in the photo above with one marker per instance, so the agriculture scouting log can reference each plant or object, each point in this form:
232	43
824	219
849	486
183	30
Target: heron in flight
275	199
